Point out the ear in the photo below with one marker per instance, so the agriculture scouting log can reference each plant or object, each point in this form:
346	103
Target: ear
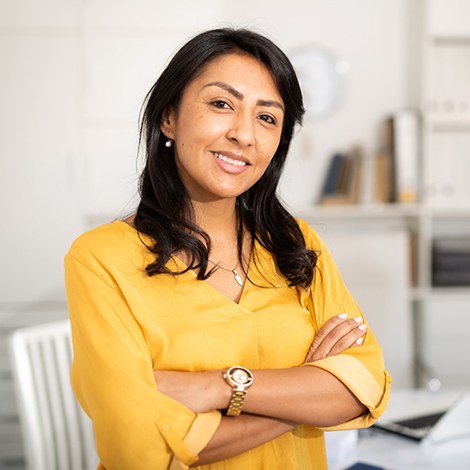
167	125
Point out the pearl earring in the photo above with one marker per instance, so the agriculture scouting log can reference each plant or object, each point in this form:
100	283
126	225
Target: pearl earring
168	143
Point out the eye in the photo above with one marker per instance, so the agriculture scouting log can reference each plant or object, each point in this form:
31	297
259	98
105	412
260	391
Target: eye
267	118
221	104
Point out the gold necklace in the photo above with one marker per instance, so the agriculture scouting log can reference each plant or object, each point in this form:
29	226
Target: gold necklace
234	271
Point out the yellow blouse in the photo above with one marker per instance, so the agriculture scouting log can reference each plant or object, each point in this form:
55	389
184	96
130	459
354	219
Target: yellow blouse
125	324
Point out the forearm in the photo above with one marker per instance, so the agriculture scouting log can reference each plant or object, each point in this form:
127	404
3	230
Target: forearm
307	395
303	395
237	435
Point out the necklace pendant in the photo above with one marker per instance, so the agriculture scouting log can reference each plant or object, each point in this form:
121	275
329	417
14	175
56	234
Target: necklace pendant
237	277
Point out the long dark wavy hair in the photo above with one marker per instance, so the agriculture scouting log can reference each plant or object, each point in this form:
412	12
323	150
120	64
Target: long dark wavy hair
165	210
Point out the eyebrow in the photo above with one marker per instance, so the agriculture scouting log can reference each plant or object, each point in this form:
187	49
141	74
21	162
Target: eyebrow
228	88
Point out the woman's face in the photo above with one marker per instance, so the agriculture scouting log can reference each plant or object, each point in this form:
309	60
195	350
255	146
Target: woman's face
226	128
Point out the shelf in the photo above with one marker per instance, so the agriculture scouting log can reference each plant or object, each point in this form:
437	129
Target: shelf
420	294
359	211
381	211
449	212
448	123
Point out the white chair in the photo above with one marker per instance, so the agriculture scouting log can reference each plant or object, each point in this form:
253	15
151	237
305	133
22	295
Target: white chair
57	433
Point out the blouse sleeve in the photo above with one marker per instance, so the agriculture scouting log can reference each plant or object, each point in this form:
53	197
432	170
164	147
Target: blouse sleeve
362	368
112	376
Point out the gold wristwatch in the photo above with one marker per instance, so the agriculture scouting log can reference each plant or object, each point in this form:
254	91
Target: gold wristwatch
239	378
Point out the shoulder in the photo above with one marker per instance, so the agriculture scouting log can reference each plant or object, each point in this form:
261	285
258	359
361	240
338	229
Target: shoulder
102	237
312	238
112	240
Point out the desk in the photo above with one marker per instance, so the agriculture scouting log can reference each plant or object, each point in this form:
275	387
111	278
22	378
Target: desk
393	452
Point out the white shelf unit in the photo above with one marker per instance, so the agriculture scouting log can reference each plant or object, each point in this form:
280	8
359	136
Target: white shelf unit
441	315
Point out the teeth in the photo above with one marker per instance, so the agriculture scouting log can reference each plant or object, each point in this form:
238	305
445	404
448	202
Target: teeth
229	160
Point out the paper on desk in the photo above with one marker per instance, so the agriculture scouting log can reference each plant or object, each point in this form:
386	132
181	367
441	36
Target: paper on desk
454	425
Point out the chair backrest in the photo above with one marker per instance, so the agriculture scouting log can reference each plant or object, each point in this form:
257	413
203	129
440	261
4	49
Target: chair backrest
57	433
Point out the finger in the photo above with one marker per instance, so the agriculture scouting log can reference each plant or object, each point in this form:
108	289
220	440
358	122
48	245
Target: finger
335	338
353	339
323	332
331	333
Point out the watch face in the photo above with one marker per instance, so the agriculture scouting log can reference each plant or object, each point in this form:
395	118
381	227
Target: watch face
240	376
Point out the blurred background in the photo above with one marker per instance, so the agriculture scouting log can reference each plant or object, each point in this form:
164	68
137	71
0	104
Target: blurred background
380	167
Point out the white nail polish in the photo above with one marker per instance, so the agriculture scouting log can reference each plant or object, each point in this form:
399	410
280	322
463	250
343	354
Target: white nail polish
362	327
359	341
342	315
358	319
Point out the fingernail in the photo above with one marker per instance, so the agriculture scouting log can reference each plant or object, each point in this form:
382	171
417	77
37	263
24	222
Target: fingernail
359	341
362	327
358	319
342	315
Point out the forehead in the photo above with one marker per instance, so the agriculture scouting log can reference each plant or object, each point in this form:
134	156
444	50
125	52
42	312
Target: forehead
242	71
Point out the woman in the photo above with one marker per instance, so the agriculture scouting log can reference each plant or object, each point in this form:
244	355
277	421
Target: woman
212	329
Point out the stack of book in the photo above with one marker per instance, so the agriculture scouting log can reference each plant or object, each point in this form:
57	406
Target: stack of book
451	262
397	164
343	178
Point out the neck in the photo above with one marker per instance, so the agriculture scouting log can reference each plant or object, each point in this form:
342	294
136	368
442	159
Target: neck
218	218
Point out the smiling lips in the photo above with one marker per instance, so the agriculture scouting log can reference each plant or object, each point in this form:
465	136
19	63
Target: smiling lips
229	160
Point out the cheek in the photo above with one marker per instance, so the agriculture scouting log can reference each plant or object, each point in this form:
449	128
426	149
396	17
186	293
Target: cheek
269	149
199	128
263	164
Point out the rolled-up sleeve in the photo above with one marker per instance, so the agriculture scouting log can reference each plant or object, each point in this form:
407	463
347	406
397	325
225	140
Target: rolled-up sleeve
135	425
362	368
373	394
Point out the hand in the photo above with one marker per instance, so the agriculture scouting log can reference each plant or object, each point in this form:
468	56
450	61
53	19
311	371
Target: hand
199	391
336	335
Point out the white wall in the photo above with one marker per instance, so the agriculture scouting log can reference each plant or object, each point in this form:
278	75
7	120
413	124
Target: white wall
74	74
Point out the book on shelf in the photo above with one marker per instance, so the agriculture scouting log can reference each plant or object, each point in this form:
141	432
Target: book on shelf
451	262
451	278
383	177
332	175
403	144
343	178
413	257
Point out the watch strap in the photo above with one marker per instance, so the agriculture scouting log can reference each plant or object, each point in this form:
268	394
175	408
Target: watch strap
236	402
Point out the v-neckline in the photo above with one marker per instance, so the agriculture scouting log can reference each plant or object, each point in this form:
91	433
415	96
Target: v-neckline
182	265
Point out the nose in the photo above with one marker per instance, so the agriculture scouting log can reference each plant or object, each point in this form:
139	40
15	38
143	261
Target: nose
242	130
